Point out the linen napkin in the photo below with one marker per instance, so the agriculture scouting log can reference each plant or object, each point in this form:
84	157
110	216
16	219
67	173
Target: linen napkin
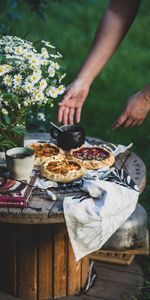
92	218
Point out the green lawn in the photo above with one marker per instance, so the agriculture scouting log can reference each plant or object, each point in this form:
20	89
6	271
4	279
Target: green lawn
70	25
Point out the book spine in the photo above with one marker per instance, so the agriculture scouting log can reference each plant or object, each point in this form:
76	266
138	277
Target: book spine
12	199
14	204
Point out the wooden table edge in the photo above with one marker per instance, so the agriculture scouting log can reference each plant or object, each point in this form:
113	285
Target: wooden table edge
56	219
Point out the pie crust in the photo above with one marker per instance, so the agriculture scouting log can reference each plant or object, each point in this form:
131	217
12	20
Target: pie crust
87	159
62	170
46	151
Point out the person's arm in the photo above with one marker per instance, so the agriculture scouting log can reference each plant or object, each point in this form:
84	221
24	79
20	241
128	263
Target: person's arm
113	26
136	109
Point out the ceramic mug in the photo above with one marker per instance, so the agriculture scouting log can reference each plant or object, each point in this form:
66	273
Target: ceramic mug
71	136
20	162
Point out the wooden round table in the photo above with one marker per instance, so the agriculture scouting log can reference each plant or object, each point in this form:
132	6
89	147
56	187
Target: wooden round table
36	257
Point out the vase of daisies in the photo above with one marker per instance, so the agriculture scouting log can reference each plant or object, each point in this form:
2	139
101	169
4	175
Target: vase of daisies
31	75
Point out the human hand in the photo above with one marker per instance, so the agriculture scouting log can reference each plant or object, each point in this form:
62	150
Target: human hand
134	112
71	104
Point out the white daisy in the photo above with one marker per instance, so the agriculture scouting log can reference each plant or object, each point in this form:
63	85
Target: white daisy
44	62
38	72
51	72
5	69
2	71
19	50
34	62
35	77
8	68
39	96
61	89
52	92
44	53
28	54
17	80
28	87
7	80
8	49
55	65
43	84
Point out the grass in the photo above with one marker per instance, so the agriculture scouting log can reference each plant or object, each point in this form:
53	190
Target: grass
70	25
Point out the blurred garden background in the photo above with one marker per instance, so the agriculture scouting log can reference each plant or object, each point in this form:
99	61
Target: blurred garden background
70	25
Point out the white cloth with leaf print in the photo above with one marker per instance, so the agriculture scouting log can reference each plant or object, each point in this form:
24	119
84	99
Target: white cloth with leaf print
91	219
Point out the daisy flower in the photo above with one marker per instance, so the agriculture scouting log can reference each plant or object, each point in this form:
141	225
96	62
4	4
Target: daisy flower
44	53
19	50
7	80
39	96
52	92
51	72
55	65
61	89
28	87
5	69
17	80
35	77
34	62
43	84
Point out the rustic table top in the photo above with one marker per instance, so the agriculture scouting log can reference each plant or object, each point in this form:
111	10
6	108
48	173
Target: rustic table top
41	210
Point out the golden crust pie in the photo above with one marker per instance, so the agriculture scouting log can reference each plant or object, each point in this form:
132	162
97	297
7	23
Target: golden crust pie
95	157
62	170
46	151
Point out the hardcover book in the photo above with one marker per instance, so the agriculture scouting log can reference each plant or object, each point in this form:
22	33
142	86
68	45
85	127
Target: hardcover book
14	193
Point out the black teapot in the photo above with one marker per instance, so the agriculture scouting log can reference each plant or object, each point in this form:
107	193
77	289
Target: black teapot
69	136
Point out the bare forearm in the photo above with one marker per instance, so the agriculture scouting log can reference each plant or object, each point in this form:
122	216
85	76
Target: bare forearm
113	26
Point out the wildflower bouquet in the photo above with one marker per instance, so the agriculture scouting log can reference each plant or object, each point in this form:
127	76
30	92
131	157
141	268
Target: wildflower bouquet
30	74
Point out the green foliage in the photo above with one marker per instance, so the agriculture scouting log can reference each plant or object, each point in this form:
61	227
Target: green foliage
37	5
9	13
11	135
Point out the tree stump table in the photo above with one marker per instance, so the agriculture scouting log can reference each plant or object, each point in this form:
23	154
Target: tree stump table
36	257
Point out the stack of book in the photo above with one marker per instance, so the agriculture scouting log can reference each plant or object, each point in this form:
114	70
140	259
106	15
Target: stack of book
14	193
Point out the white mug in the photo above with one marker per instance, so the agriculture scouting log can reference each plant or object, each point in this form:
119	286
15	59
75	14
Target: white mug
20	162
